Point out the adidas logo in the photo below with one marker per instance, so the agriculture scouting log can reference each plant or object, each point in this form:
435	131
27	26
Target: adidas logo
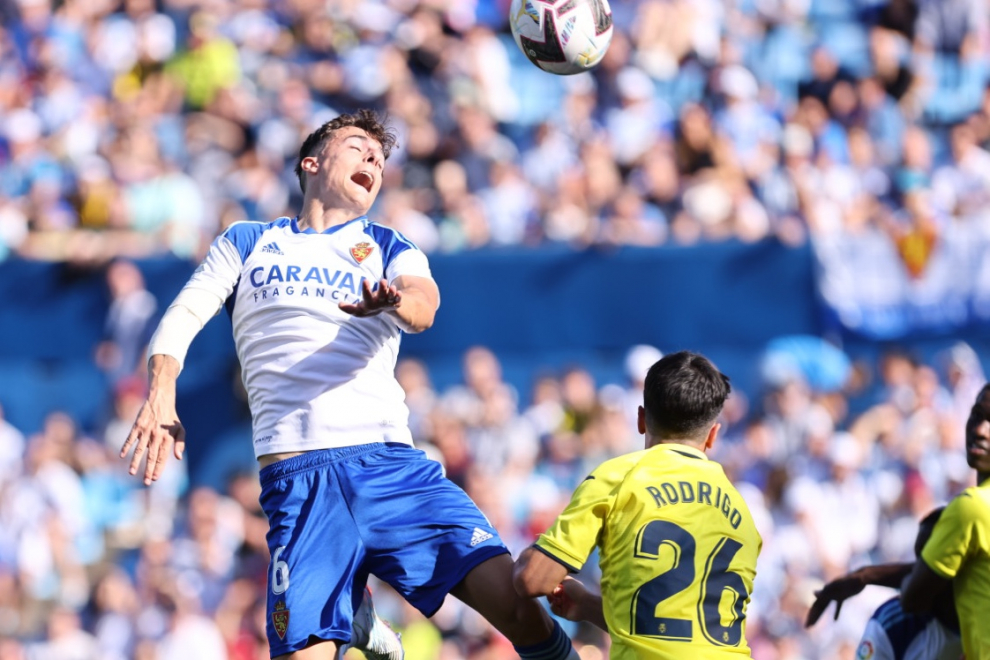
479	536
272	248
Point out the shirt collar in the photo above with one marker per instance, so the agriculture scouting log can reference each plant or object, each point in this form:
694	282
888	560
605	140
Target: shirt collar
683	450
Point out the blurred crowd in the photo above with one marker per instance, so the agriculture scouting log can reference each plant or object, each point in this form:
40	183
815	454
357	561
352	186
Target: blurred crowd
93	566
132	128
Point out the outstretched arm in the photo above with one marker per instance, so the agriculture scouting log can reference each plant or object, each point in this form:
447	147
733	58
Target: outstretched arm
535	574
412	300
575	602
847	586
157	430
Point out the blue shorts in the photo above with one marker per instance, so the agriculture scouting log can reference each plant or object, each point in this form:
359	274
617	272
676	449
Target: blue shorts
337	515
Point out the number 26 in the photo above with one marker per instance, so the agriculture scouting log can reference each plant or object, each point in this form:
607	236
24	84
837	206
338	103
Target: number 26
680	576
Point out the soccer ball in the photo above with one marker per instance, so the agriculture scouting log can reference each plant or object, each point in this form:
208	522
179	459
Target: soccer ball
562	36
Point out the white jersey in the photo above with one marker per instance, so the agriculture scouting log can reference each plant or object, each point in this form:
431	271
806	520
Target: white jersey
893	634
316	377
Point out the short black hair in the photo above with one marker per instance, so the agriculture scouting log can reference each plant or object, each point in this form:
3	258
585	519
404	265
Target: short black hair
925	529
683	395
367	120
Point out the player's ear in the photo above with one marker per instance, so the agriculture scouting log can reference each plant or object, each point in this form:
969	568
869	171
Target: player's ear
712	434
310	164
641	420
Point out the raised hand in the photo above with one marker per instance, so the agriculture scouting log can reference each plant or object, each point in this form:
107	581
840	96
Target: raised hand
157	430
837	590
374	301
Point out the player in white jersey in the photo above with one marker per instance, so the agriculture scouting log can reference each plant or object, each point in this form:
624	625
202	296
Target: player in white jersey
318	303
891	633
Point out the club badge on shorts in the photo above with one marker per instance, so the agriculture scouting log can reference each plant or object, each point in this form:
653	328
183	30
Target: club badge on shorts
280	619
361	251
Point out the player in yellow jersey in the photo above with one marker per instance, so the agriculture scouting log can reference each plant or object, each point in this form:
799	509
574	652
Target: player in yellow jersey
677	543
958	552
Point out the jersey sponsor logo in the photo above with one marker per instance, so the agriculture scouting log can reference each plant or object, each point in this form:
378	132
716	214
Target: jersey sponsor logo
865	650
280	619
361	251
480	536
339	285
272	248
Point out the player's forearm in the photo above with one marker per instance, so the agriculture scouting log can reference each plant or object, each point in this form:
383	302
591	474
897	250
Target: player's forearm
592	610
181	323
535	574
163	372
884	575
416	312
420	300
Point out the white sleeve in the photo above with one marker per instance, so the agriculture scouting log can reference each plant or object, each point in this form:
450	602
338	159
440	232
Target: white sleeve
178	327
199	301
220	270
409	262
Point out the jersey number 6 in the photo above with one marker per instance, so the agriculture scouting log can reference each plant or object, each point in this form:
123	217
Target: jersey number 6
716	579
280	572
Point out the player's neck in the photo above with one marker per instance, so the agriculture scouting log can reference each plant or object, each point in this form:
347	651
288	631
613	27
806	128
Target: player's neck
981	477
318	217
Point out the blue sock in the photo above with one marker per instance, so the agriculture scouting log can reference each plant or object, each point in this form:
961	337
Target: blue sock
556	647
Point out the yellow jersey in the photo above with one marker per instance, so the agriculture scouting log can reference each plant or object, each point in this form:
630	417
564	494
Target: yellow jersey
959	550
677	551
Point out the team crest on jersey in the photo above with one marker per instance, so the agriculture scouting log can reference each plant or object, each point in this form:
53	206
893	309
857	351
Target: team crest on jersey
280	619
865	650
361	251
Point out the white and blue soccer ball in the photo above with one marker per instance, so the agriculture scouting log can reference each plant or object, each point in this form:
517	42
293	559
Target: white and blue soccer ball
564	37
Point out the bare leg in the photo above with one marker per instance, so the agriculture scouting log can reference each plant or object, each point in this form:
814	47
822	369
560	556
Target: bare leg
488	590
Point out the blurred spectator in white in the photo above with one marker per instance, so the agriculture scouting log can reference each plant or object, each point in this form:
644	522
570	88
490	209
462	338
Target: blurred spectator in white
962	372
510	205
961	187
191	635
421	398
203	550
743	121
636	364
398	212
546	410
66	639
482	383
631	221
950	26
11	450
113	607
640	121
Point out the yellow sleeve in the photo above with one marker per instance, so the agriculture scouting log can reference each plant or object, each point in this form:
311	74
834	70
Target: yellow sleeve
949	544
577	529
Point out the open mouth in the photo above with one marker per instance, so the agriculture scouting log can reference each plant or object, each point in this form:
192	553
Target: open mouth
364	179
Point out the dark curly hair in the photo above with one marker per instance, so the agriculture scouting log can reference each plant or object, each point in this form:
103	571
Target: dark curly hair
365	119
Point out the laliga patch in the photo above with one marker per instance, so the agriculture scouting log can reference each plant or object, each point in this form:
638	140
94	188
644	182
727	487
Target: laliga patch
361	251
865	650
280	619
